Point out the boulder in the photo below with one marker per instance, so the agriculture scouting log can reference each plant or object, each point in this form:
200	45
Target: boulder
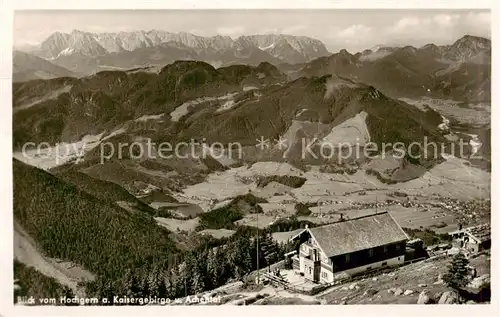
423	298
439	280
370	292
453	251
437	296
448	297
408	292
352	286
479	281
398	292
374	279
422	285
343	302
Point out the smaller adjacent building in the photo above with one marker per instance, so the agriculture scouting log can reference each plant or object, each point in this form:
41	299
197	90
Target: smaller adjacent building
349	247
474	239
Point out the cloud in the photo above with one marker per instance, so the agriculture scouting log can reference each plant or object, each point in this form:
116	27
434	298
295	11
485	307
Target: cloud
357	30
353	38
408	23
446	20
414	29
438	28
293	29
354	31
231	30
480	22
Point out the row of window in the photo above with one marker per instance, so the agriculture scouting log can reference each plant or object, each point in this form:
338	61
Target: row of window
370	253
316	255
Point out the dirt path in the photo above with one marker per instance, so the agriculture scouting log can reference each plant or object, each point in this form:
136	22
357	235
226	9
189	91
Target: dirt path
66	273
273	293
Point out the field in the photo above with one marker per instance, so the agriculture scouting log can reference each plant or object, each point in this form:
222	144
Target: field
352	195
178	225
218	233
472	114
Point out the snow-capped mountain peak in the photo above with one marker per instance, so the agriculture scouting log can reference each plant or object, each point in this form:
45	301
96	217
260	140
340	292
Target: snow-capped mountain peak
287	48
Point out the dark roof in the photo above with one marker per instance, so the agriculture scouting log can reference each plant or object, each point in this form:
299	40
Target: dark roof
481	232
358	234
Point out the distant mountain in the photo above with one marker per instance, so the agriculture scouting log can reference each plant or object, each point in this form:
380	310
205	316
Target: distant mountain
28	67
460	71
110	98
90	52
234	104
466	48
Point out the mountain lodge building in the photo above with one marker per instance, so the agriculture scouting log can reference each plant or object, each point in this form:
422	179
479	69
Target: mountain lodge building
349	247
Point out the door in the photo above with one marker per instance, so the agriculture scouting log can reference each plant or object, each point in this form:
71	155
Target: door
317	272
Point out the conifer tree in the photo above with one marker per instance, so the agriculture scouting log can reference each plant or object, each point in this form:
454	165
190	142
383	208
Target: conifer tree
458	272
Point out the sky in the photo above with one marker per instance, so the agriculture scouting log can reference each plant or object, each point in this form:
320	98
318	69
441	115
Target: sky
354	30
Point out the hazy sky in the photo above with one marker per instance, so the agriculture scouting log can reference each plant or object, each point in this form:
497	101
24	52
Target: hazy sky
351	29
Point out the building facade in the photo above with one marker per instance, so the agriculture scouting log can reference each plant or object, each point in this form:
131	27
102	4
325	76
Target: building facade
475	239
349	247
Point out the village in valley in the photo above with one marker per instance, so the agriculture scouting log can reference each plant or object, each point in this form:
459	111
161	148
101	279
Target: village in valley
370	260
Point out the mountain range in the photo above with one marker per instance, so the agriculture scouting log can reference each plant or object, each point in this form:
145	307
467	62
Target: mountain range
460	71
28	67
87	52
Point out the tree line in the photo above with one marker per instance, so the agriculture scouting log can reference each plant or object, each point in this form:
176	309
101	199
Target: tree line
210	265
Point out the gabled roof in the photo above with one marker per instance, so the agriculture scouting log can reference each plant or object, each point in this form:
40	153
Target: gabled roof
481	232
358	234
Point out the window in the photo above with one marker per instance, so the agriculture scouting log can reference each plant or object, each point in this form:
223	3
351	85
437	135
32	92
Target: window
347	258
370	252
385	249
398	247
384	263
310	270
